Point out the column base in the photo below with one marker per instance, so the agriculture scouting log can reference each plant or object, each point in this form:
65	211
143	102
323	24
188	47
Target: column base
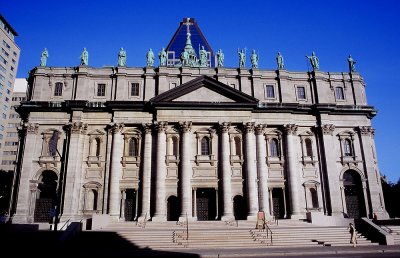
251	217
297	216
159	218
227	217
183	218
144	218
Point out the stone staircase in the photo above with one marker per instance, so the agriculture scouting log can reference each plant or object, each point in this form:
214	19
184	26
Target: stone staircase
218	234
394	231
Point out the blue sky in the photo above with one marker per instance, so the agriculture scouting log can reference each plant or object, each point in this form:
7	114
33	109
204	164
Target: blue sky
368	30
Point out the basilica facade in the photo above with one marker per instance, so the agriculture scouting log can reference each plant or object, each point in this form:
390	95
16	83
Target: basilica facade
195	140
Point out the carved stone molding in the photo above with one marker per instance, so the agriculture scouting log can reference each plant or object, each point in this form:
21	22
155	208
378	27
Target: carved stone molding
32	128
260	129
224	127
328	129
367	130
185	126
291	129
249	127
147	127
161	126
117	127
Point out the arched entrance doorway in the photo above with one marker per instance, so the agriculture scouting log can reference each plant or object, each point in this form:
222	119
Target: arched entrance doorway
206	204
353	193
173	208
239	207
47	196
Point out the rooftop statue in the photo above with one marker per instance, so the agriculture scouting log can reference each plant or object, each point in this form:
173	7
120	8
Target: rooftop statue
85	57
203	57
43	58
150	57
163	57
122	57
220	58
242	58
314	61
254	59
352	67
279	60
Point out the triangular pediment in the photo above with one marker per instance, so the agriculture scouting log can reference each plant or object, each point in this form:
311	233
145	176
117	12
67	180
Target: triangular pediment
204	90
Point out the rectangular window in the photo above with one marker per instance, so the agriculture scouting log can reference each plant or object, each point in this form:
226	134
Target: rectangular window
1	127
269	92
58	89
6	45
1	136
4	116
12	134
101	89
2	78
134	89
4	52
3	60
301	93
15	54
339	93
2	69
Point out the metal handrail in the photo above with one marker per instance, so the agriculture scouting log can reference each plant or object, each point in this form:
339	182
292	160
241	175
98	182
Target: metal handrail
269	231
65	224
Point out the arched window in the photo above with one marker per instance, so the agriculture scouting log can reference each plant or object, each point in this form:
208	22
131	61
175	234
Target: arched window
175	146
348	150
238	149
58	89
91	200
205	146
97	140
273	148
133	147
308	147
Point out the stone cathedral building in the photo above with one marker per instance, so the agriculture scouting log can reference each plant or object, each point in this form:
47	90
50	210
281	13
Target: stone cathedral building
195	140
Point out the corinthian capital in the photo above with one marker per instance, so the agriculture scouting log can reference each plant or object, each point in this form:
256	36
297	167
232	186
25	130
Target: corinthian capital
328	129
224	127
185	126
147	127
260	129
117	127
161	126
367	130
291	129
77	127
32	127
249	127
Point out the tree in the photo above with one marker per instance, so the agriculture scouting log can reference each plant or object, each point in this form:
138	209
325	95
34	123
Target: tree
391	193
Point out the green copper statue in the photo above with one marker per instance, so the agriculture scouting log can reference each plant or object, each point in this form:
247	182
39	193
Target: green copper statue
122	57
254	60
43	58
85	57
163	57
352	67
242	58
314	61
150	57
220	58
203	57
279	60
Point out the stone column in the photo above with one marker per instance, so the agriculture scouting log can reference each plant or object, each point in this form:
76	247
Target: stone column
146	179
251	172
366	134
262	171
161	173
73	177
293	173
27	169
116	170
331	173
123	200
226	173
186	171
